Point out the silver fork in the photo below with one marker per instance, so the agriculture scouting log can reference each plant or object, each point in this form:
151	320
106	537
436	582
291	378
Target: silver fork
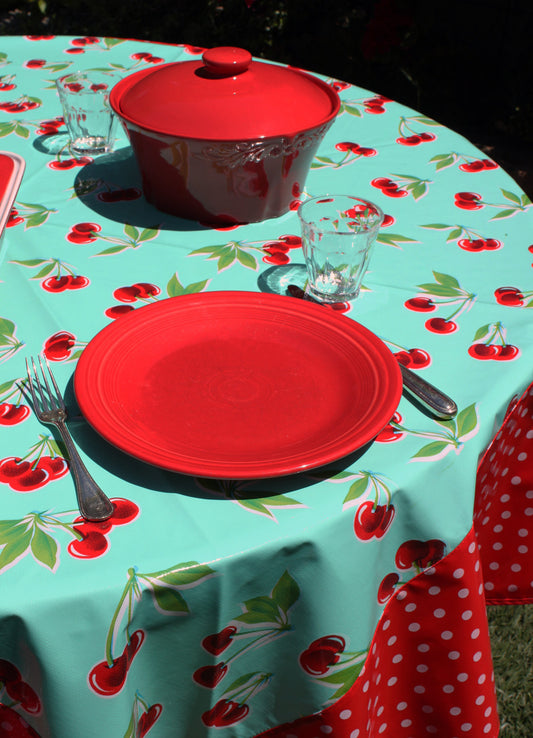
50	408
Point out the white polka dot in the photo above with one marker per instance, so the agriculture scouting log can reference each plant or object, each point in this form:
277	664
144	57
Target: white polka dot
366	685
523	532
455	711
410	607
487	728
506	514
402	594
467	615
431	729
504	472
392	681
429	572
472	547
427	709
516	480
505	498
529	434
522	549
528	511
382	728
477	656
345	714
480	700
397	658
494	565
422	668
465	727
487	712
498	528
385	625
401	705
458	573
529	494
448	688
439	612
462	677
446	635
489	586
326	729
354	733
497	546
516	567
463	593
406	723
392	640
482	679
454	655
423	648
475	633
434	590
419	689
414	627
522	456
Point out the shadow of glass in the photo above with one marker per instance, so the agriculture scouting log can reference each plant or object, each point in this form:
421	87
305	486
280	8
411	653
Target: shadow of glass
276	279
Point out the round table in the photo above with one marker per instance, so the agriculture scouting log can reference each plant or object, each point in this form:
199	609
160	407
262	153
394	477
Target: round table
347	601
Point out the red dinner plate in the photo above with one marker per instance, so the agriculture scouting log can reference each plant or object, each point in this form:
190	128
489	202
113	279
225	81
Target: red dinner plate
237	385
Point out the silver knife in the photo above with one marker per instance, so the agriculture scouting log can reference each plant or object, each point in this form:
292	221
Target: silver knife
425	393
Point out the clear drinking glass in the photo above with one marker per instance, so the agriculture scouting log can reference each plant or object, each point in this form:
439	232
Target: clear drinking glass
88	116
338	232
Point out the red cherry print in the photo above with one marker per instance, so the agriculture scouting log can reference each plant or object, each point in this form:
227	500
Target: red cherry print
154	59
390	433
6	86
117	310
489	164
124	511
148	718
86	228
218	642
492	244
59	346
21	692
56	466
108	680
338	85
77	282
419	358
420	554
507	353
482	351
477	244
275	247
293	242
140	55
403	357
56	284
347	146
440	325
277	258
126	294
381	182
425	136
388	220
209	676
13	414
9	672
92	545
387	587
472	166
295	204
146	289
15	725
413	140
62	164
13	467
14	218
510	296
394	191
32	479
372	520
35	63
321	654
75	50
420	304
84	527
468	201
225	712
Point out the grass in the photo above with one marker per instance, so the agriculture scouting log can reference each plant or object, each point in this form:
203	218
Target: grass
511	634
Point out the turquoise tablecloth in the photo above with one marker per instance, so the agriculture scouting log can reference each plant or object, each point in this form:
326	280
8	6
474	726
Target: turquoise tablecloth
272	565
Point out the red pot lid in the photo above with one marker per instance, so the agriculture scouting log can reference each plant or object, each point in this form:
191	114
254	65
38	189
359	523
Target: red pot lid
224	96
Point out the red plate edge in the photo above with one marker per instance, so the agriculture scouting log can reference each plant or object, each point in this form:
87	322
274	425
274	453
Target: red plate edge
11	170
235	469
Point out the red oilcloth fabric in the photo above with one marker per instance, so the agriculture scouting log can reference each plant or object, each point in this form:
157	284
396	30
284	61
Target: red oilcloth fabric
430	654
503	518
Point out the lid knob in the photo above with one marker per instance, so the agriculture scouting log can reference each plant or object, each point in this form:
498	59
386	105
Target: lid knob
226	61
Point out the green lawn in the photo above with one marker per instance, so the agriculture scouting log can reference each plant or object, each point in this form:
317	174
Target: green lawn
511	633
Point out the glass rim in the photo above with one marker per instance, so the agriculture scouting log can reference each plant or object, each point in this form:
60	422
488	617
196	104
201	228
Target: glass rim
378	212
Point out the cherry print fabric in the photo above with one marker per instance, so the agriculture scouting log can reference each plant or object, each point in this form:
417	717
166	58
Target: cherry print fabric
429	668
211	607
503	517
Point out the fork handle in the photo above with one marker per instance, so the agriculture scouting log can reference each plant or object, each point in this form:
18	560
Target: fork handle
92	502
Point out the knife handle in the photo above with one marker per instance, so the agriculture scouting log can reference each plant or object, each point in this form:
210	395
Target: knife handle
428	395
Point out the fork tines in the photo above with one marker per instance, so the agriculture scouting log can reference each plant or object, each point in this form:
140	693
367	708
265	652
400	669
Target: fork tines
49	400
